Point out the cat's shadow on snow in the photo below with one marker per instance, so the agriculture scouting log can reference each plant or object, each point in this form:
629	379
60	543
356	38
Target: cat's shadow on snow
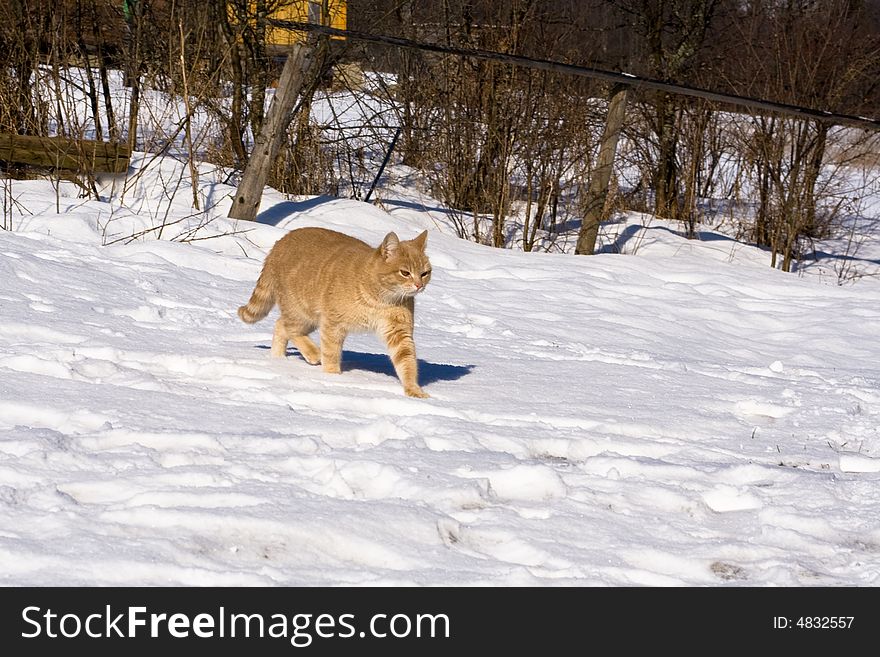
381	364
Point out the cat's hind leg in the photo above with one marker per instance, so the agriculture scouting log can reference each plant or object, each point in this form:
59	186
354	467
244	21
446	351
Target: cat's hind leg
307	348
279	340
296	332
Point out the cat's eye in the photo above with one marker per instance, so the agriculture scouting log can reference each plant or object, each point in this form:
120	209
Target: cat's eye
404	273
425	273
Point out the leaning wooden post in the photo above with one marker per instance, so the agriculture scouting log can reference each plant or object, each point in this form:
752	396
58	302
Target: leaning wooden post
267	144
599	181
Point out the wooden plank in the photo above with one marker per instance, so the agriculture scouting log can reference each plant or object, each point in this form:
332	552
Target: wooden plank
79	155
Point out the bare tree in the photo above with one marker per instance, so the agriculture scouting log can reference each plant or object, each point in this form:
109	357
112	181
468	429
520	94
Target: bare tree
821	55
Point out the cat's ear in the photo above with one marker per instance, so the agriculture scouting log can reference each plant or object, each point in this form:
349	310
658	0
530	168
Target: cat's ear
421	240
389	246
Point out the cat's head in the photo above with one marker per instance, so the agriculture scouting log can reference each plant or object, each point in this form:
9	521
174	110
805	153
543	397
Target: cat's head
404	268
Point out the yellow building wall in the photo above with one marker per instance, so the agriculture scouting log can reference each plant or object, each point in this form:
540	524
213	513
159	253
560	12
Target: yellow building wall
298	11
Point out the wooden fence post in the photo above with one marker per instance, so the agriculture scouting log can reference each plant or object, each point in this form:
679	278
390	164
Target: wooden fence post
598	190
266	146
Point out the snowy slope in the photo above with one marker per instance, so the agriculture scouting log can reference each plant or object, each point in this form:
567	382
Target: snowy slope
668	418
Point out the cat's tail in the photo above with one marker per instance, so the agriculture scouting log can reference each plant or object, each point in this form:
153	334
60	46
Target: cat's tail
261	301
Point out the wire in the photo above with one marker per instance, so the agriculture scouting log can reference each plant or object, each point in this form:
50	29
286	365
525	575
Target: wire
585	71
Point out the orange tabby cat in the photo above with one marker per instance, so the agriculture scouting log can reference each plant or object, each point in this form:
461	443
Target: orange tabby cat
337	284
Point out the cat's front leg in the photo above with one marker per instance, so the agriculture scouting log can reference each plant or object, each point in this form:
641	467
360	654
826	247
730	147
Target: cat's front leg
416	392
332	338
402	349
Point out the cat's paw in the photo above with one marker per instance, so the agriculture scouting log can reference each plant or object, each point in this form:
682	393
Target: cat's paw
332	368
416	392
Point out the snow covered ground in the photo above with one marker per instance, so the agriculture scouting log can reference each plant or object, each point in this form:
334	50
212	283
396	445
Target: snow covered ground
682	416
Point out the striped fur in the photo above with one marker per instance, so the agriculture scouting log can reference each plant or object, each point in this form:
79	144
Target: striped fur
327	281
261	302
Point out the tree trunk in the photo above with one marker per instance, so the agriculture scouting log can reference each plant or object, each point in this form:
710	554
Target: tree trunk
813	225
132	40
666	175
92	92
599	181
103	66
236	122
293	77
